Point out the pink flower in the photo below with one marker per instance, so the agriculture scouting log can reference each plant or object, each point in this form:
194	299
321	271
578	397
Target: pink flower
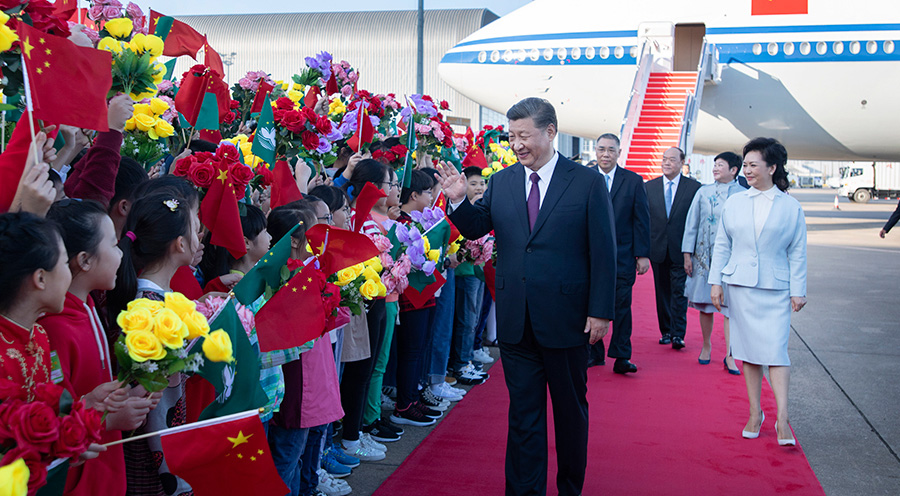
133	10
381	242
91	34
346	91
112	12
164	86
95	13
247	319
423	129
244	83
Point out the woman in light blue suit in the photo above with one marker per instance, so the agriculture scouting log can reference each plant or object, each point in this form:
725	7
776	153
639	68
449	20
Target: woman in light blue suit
700	228
760	252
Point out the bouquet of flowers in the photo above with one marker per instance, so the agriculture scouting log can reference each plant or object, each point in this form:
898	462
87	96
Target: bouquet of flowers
425	117
244	91
264	176
135	70
35	433
151	121
476	251
107	10
212	305
305	134
346	78
318	71
358	283
202	168
394	272
155	341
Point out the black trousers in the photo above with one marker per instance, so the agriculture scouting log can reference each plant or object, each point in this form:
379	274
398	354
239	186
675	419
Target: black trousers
671	304
620	340
358	374
530	369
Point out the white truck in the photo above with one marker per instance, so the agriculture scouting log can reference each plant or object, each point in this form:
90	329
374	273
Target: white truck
863	182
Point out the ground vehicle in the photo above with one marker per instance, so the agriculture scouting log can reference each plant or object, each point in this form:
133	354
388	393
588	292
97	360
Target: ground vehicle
863	182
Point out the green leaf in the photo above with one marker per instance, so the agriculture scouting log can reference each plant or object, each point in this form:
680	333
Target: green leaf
65	402
153	383
176	366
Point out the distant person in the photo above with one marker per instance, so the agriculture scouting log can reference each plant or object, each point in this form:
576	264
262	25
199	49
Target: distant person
592	165
632	216
686	170
891	222
743	182
760	253
699	238
670	196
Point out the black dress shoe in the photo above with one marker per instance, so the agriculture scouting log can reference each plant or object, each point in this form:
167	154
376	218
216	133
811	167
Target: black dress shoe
665	339
593	362
624	366
677	343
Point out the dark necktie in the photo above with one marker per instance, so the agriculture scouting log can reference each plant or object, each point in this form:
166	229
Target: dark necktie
534	200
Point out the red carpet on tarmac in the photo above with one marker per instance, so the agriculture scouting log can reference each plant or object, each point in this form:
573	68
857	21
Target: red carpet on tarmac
673	428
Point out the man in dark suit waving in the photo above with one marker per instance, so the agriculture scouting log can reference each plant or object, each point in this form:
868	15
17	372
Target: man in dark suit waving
555	291
670	197
632	215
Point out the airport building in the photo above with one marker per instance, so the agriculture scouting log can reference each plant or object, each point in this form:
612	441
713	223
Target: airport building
380	45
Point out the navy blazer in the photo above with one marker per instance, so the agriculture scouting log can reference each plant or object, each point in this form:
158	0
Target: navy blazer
632	214
666	233
562	271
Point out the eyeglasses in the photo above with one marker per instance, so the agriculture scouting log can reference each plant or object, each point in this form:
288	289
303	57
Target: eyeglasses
391	185
329	219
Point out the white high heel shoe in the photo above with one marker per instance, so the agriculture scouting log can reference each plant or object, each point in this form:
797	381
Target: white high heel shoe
785	442
754	435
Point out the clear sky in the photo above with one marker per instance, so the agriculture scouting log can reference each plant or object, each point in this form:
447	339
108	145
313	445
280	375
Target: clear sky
185	7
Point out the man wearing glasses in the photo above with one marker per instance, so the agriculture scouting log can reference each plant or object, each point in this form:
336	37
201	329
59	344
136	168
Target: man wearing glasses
670	197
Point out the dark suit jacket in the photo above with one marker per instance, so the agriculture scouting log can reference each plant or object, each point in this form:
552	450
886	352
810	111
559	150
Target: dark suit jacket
565	269
892	221
666	234
632	214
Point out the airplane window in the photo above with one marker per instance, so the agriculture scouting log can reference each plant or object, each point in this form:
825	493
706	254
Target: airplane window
804	48
837	47
888	46
482	56
507	56
562	53
789	48
772	48
854	47
821	48
520	55
871	47
632	52
495	56
548	53
576	53
534	54
589	52
619	52
604	52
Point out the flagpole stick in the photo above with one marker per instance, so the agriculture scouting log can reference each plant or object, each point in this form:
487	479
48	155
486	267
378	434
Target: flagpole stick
29	105
187	427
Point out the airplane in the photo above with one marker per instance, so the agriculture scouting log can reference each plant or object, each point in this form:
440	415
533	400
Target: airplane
819	75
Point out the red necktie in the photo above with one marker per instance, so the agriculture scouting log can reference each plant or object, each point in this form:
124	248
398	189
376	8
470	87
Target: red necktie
534	200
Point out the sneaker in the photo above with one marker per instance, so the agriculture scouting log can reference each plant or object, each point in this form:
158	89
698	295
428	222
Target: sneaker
380	433
427	398
468	376
367	441
476	369
483	356
411	416
365	455
387	403
450	379
386	424
445	391
331	486
428	412
334	467
389	391
344	459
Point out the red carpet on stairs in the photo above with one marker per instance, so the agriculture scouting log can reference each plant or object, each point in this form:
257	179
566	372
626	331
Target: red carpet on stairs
674	428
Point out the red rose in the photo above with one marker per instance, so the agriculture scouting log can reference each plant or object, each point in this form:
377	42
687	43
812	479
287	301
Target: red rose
310	140
266	174
400	150
202	174
427	98
227	152
488	128
284	103
8	410
35	426
278	115
294	121
10	390
73	438
310	114
323	125
91	419
382	156
228	118
48	393
240	174
183	166
235	105
445	105
294	264
37	471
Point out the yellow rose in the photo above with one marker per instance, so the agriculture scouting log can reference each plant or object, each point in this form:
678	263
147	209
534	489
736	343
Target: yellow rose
217	347
14	477
111	45
369	289
196	323
152	305
179	304
143	108
427	244
295	95
336	107
170	329
119	28
157	106
7	37
143	346
139	319
129	124
434	255
382	289
137	43
163	129
160	72
140	96
154	44
375	263
144	122
346	276
486	172
358	269
285	86
370	274
454	247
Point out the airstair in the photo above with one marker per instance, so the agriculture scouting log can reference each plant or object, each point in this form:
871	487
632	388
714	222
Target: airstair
663	109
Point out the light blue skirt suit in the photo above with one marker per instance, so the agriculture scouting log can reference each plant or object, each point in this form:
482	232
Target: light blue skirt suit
760	275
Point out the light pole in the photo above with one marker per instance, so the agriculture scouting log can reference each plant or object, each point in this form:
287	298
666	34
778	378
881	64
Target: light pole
228	61
420	49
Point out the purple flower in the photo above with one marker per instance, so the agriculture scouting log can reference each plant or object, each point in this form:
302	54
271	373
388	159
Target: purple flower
334	135
428	267
416	216
324	145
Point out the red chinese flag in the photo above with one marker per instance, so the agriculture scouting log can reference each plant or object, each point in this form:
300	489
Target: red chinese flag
54	63
64	8
189	98
219	213
180	38
364	131
475	158
441	203
261	94
212	59
339	248
312	96
219	87
284	185
218	458
331	87
185	283
277	325
12	161
211	135
778	7
418	299
367	199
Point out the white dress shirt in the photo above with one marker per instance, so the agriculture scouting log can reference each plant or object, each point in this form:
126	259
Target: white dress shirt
545	173
610	176
762	205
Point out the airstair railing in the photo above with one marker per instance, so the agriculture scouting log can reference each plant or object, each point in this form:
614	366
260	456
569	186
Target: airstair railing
636	100
706	69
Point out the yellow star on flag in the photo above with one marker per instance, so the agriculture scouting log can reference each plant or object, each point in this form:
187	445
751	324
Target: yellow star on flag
309	279
322	247
46	64
42	41
252	458
240	439
48	51
260	452
304	288
223	175
40	71
26	45
294	289
240	456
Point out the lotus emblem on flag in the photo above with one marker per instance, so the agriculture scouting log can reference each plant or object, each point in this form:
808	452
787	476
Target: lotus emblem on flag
228	381
268	138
